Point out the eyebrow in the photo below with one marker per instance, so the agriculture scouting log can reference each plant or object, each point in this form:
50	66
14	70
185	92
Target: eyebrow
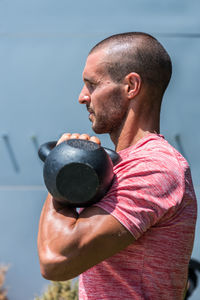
86	79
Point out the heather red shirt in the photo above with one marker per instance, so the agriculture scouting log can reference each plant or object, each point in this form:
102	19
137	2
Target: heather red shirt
153	197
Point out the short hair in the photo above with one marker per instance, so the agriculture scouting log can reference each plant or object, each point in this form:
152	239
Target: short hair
141	53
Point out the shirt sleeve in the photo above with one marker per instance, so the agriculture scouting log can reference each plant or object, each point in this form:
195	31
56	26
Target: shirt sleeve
144	190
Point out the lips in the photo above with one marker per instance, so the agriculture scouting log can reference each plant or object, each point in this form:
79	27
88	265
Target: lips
91	113
90	110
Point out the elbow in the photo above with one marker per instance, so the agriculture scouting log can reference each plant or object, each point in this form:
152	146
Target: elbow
48	272
56	269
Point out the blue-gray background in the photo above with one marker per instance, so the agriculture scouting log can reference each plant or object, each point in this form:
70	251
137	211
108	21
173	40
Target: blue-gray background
43	46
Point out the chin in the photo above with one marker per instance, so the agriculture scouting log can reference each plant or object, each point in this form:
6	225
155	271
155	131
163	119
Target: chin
100	126
99	130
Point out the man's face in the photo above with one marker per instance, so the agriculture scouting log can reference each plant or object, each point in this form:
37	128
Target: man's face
103	97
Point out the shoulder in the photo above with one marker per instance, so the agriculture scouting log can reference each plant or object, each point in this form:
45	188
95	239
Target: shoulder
154	165
152	152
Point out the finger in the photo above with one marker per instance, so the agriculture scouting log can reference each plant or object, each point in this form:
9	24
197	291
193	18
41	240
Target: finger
84	136
75	136
95	140
64	137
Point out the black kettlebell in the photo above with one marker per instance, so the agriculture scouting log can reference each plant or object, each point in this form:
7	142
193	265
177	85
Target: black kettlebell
77	172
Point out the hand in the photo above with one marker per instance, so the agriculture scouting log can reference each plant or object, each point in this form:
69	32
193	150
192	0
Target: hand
84	136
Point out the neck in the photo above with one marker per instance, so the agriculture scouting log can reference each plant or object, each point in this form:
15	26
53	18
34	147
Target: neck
133	129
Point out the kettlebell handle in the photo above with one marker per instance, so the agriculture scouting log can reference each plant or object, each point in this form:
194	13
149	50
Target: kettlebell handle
46	148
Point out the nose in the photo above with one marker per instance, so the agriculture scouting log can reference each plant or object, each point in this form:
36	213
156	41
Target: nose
84	96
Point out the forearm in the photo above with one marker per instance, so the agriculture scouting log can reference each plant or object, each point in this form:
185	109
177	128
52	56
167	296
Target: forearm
57	223
69	243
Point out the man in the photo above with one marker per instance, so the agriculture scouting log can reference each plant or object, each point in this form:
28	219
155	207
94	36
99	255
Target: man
137	241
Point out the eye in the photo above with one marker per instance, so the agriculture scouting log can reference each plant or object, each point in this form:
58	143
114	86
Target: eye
90	85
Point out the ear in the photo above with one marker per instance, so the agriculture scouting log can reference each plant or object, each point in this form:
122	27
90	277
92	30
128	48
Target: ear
133	85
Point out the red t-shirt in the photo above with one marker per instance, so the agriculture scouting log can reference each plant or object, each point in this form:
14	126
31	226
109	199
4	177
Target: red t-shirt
153	197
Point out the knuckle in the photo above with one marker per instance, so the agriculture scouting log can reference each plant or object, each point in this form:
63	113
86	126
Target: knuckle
95	139
65	136
84	136
75	136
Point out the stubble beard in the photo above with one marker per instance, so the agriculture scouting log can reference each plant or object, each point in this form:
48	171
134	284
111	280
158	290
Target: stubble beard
113	114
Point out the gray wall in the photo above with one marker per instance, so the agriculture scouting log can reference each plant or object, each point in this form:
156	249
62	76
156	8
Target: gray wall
43	46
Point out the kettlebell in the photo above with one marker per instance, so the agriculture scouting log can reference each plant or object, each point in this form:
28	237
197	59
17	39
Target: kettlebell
77	172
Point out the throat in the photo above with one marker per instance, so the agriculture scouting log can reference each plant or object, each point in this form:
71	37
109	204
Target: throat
131	132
